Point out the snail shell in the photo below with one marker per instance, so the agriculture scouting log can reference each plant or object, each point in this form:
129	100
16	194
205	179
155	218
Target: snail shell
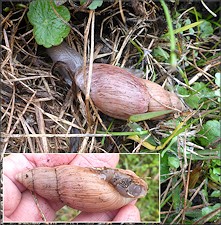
160	99
115	91
83	188
119	94
112	91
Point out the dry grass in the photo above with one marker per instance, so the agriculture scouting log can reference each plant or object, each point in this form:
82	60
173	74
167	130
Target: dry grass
39	111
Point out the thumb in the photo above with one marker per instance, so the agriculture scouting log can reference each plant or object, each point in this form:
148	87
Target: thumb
128	213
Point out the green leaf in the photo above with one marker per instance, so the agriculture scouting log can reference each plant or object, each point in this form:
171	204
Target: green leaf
216	194
209	209
173	162
218	79
200	94
218	94
196	214
210	132
216	162
202	89
176	195
193	101
215	177
188	23
164	168
182	91
147	116
49	22
94	5
137	128
217	171
161	54
206	29
188	26
218	83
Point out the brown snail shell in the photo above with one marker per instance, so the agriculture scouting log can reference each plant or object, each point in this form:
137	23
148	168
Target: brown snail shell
119	94
83	188
115	91
111	92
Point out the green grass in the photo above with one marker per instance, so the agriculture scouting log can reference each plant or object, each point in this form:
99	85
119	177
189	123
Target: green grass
190	165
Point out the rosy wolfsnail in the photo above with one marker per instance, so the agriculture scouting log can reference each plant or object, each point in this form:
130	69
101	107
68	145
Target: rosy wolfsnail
83	188
114	90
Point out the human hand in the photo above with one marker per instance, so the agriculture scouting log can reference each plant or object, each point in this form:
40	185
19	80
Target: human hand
19	204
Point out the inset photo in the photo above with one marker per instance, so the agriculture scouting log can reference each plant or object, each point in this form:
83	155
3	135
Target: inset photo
91	187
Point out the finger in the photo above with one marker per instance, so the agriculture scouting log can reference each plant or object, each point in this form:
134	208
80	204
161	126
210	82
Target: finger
16	163
6	219
100	217
55	159
96	159
96	217
28	211
12	196
128	213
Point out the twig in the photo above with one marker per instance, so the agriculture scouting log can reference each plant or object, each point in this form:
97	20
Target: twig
208	9
7	136
87	77
41	126
38	206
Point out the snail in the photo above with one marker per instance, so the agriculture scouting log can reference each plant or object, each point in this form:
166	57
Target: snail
115	91
83	188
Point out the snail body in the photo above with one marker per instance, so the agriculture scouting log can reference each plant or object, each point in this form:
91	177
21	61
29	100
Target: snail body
68	57
115	91
64	53
83	188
